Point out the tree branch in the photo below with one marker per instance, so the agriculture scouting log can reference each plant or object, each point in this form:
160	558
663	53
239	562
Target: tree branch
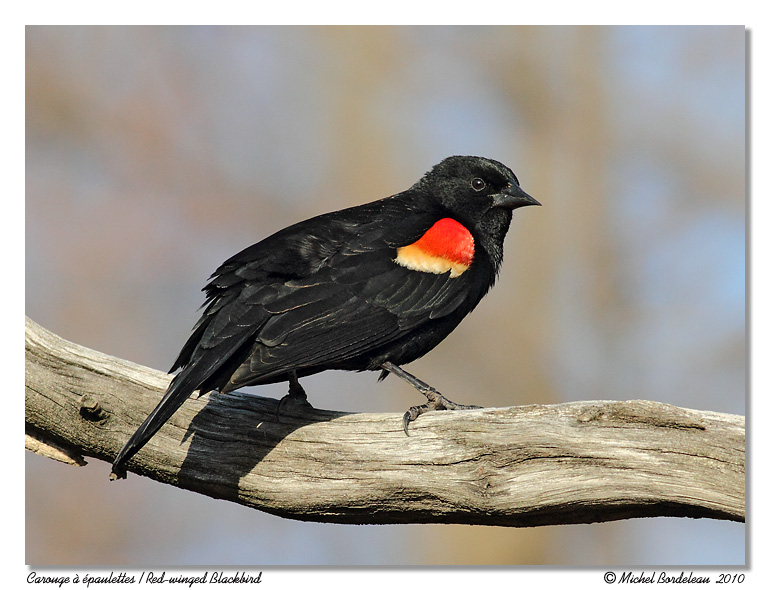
521	466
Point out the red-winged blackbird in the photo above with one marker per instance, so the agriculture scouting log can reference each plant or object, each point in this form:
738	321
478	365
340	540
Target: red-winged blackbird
371	287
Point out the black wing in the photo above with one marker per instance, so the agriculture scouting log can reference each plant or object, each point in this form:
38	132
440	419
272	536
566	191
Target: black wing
344	316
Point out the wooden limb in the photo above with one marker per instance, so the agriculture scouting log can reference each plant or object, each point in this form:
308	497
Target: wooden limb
521	466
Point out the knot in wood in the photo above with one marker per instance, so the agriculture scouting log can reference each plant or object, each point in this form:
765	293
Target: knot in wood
91	409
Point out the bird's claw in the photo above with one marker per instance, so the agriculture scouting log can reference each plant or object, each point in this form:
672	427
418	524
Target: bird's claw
436	402
295	402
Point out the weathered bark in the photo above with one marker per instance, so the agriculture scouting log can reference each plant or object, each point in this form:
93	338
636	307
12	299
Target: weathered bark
521	466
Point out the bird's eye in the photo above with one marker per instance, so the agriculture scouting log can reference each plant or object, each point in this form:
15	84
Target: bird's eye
478	185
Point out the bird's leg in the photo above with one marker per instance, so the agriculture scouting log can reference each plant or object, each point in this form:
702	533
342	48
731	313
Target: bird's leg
296	400
436	401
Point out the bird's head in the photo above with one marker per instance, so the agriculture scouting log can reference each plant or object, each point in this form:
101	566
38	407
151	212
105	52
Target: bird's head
478	192
473	187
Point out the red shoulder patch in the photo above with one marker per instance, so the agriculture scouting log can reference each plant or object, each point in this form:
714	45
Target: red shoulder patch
447	246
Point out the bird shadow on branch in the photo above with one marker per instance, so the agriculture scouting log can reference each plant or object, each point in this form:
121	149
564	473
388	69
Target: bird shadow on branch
233	434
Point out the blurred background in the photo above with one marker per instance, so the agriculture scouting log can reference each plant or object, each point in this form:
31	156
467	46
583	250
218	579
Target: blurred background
155	153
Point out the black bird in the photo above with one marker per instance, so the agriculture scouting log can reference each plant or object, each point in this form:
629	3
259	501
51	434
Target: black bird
371	287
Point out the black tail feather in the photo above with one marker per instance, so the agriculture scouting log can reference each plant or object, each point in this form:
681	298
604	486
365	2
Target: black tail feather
178	391
210	370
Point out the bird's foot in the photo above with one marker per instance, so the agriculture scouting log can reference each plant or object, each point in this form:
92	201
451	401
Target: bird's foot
436	401
295	402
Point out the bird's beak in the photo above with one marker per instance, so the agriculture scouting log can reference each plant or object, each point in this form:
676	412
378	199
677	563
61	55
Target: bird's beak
512	197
